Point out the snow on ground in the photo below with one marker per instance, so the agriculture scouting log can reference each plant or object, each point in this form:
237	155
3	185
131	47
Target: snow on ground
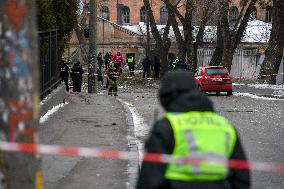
45	117
254	96
262	86
54	92
141	129
266	86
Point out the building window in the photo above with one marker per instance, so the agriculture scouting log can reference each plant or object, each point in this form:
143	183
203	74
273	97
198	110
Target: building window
125	15
233	14
164	15
105	12
253	15
143	14
268	16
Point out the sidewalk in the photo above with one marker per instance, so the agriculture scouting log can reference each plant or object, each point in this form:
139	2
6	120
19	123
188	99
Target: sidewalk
89	121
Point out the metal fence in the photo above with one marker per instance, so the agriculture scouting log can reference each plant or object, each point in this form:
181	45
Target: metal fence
49	65
244	62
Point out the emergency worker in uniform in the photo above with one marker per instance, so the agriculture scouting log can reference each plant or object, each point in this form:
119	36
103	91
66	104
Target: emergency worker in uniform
191	128
118	62
112	81
64	73
76	75
131	64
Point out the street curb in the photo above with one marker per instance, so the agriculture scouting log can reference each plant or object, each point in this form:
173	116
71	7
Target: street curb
133	166
56	97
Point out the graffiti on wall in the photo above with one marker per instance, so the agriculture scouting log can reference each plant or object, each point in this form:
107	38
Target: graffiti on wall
17	110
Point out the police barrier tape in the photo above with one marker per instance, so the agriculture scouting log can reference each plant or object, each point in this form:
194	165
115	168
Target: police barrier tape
125	155
240	77
253	77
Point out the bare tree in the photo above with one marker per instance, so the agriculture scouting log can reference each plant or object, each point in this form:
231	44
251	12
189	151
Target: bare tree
231	34
274	51
187	47
163	42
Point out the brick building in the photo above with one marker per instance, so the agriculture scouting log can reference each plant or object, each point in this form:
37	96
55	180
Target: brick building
118	23
125	12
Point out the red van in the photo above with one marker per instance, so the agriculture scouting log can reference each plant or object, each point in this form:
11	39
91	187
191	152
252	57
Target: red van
214	79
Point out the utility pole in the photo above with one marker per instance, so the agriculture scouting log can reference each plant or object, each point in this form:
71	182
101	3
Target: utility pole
148	49
148	33
19	96
92	64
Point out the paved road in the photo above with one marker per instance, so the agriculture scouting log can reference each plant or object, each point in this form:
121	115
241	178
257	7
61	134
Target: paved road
98	123
102	123
259	123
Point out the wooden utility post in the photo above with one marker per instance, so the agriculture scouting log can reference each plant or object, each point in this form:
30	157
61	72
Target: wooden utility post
148	34
92	65
19	96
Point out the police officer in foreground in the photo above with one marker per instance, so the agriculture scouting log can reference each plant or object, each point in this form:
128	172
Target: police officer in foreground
77	75
64	73
191	128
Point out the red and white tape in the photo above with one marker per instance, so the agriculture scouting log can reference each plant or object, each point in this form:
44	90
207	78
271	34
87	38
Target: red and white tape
124	155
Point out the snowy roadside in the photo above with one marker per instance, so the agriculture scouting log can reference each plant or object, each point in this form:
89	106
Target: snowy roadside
52	111
261	86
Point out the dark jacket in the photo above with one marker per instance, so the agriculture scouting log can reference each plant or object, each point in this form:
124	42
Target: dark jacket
76	72
146	63
162	141
64	72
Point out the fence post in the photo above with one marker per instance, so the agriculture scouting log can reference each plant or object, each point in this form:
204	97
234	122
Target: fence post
19	97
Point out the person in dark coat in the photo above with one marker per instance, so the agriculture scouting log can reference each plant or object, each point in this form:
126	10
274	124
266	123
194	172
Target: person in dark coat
100	76
100	60
180	65
156	66
146	67
182	100
65	74
77	75
107	58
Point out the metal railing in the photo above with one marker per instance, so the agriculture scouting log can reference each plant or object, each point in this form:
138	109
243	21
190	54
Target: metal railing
49	65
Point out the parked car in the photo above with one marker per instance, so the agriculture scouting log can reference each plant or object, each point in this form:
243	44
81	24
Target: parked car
214	79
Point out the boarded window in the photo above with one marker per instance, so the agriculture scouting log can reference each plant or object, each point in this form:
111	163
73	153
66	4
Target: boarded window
233	14
164	14
143	14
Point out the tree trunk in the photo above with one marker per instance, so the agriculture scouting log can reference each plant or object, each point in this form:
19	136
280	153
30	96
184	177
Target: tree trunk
275	49
164	59
232	38
19	88
163	42
218	53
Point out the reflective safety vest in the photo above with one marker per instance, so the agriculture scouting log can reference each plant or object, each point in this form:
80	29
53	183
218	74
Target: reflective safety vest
130	60
201	135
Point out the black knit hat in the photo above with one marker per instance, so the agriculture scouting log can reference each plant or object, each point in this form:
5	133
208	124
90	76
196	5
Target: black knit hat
178	81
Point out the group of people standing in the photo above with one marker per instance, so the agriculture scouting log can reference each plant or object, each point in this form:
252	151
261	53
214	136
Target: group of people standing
76	74
111	65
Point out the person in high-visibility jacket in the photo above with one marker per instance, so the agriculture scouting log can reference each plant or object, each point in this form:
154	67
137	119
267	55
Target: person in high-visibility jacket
131	64
191	128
